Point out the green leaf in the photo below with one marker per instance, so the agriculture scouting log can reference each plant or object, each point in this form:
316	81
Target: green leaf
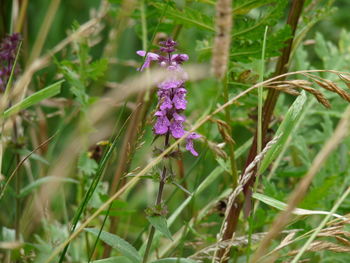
244	6
160	223
77	86
38	96
120	259
29	188
284	130
118	243
87	165
97	68
174	260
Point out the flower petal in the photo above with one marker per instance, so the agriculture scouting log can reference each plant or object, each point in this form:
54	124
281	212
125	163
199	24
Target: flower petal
177	129
162	125
179	102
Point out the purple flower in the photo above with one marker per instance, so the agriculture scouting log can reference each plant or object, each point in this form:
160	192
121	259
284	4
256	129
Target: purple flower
150	57
162	124
177	129
171	93
189	142
8	51
166	103
179	99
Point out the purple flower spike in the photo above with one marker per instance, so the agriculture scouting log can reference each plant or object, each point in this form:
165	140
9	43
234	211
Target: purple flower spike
168	46
8	52
171	93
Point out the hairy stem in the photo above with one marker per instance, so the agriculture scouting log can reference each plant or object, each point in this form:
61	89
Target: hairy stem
158	203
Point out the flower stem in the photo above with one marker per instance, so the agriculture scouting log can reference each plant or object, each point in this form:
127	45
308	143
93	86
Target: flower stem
158	202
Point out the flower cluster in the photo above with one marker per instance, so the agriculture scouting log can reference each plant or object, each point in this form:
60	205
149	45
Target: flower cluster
171	93
8	50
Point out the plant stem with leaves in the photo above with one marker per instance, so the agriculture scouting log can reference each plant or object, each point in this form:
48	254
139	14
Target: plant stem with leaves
162	181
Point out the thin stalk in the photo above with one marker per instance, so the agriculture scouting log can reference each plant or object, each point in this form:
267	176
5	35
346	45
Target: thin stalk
144	42
44	30
228	120
18	185
22	14
260	93
99	233
158	203
260	106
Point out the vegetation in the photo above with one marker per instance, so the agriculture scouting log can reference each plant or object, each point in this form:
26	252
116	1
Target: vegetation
113	149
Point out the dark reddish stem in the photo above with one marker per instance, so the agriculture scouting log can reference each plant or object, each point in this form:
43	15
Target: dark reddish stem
269	105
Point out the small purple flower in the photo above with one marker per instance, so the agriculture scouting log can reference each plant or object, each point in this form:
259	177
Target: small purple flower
177	129
162	125
179	99
150	57
166	103
8	51
189	142
171	93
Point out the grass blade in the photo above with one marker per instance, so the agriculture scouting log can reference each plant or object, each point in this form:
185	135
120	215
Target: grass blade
33	99
284	130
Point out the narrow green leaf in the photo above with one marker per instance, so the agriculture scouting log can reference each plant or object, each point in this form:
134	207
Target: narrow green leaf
29	188
160	223
174	260
38	96
118	243
282	206
285	129
120	259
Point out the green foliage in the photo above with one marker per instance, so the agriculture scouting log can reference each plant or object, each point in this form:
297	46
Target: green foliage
188	16
87	165
80	75
160	223
284	130
87	102
118	243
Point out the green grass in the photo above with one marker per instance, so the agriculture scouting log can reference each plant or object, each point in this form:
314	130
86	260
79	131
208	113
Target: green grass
81	166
